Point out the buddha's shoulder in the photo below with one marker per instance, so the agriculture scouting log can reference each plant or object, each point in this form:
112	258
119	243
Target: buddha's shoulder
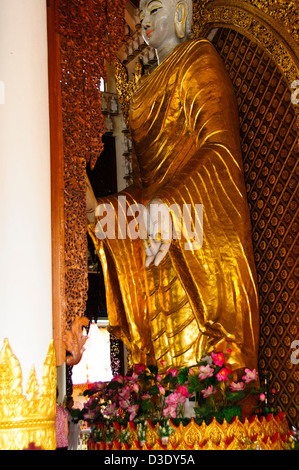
196	46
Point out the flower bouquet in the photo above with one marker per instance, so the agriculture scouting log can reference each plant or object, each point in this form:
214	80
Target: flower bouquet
165	430
217	393
144	394
141	433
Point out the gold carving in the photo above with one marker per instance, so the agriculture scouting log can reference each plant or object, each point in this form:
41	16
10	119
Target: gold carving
125	88
273	24
31	418
271	433
74	340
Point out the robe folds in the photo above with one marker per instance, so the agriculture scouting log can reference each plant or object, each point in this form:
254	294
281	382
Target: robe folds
186	151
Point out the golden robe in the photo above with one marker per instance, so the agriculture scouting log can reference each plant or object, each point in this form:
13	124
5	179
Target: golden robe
184	127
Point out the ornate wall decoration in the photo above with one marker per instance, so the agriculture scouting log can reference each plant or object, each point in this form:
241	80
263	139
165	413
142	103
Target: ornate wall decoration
273	24
284	13
31	418
90	33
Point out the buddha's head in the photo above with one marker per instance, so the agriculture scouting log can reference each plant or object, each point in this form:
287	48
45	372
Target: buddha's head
165	21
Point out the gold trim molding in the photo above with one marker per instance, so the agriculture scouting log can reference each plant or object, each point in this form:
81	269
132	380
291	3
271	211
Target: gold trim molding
264	433
272	23
27	419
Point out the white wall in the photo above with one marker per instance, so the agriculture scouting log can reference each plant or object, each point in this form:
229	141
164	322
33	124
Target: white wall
25	212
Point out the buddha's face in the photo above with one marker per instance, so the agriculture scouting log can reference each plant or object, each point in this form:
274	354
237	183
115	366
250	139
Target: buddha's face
157	18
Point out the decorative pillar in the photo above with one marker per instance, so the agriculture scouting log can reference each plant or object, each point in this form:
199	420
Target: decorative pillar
27	357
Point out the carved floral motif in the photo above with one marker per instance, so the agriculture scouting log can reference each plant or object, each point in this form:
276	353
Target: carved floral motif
90	34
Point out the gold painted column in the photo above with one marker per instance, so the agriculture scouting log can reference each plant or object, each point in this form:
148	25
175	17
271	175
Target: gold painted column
27	356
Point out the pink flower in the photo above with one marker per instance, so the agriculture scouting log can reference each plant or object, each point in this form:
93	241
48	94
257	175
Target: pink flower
191	372
228	351
162	362
171	399
205	371
111	410
99	386
133	409
262	397
218	359
183	391
159	378
140	368
170	411
180	398
222	375
145	396
208	391
236	387
175	398
117	378
161	389
125	392
173	372
124	403
135	376
250	375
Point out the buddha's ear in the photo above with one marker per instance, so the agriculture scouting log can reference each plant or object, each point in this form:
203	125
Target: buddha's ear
180	19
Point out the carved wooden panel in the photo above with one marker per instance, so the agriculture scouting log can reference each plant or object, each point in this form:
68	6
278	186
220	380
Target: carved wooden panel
83	34
269	137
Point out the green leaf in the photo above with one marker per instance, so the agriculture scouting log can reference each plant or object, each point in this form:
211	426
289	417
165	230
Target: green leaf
183	375
153	369
154	390
195	385
235	396
230	412
203	410
114	385
90	392
146	405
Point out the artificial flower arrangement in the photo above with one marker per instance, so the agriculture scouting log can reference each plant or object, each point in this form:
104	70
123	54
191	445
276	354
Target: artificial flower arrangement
165	430
144	394
217	393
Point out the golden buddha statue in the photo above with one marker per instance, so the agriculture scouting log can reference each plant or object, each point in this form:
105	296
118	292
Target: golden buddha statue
168	299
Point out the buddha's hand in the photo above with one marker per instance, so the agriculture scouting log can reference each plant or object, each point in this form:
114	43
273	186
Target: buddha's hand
158	224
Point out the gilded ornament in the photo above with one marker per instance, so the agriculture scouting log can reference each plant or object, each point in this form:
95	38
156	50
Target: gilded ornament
30	418
192	434
125	88
267	433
